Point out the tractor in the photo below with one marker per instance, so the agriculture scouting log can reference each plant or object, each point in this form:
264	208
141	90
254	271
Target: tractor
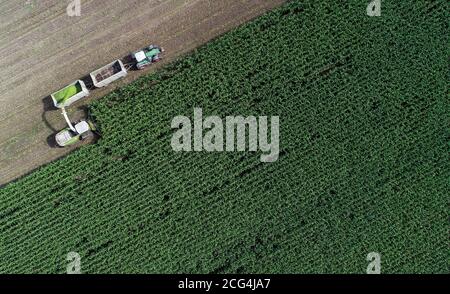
147	56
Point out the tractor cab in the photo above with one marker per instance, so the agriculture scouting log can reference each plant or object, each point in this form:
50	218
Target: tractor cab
147	56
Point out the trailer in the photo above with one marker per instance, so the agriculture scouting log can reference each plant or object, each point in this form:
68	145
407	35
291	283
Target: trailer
70	94
108	74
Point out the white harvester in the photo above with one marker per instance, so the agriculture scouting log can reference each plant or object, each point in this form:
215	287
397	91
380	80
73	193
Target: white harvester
74	133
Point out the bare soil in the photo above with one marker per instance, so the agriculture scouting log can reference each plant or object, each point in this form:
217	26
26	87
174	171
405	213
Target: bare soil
42	50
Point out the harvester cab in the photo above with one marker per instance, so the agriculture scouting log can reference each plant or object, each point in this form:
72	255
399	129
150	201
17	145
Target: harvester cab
74	133
147	56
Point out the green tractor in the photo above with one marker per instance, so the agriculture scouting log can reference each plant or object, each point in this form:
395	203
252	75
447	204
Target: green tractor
147	56
74	133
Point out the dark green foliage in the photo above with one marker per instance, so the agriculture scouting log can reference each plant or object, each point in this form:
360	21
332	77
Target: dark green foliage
363	167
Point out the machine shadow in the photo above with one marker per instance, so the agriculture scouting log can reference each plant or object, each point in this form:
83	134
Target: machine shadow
51	141
48	106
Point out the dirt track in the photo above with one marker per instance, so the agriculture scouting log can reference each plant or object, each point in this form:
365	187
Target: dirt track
42	49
